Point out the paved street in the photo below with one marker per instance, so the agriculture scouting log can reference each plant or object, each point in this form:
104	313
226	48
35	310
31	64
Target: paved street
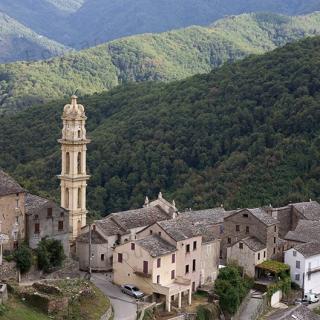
124	306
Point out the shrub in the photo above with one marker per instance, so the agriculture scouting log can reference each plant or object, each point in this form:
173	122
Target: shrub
50	254
23	258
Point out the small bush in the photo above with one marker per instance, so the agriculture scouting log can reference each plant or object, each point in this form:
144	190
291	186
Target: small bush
294	286
23	258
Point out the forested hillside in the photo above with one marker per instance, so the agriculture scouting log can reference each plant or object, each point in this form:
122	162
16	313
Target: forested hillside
20	43
168	56
246	134
85	23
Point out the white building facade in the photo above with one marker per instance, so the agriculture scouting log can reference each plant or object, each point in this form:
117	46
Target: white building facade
304	262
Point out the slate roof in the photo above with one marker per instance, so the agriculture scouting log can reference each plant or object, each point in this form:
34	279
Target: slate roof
310	210
299	312
263	216
122	222
178	229
8	185
209	216
253	243
33	202
96	238
156	246
306	231
308	249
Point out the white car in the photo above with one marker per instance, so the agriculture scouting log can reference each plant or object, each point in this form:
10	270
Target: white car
132	290
311	298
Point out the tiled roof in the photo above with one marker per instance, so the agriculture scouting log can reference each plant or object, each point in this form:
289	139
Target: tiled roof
263	216
96	238
310	210
8	185
306	231
308	249
33	202
300	312
122	222
156	246
253	243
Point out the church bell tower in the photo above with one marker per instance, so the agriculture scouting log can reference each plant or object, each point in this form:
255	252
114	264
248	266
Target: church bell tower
73	173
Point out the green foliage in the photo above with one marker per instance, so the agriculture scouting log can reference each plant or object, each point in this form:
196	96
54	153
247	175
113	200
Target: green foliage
231	288
23	258
159	57
283	283
50	254
243	135
274	266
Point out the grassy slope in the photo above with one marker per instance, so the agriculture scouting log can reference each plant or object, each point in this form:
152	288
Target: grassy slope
167	56
246	134
17	42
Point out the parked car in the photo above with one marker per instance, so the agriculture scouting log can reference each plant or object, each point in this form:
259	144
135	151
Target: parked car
132	290
311	297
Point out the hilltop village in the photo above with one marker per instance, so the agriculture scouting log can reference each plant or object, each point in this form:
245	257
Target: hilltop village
168	254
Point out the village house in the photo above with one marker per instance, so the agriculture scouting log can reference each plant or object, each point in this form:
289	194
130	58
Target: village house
151	263
44	218
30	218
118	228
304	262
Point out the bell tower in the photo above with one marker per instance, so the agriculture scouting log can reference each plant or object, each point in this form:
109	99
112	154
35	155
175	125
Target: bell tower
73	172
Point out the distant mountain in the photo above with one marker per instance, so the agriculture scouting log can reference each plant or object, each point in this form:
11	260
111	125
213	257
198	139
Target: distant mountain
246	134
85	23
168	56
20	43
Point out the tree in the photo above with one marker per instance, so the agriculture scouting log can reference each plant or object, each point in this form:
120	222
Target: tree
23	258
50	254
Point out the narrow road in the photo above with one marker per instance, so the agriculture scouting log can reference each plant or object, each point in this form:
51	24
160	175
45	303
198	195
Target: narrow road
251	307
125	307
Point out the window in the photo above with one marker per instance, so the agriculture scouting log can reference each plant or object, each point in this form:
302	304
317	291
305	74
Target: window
221	229
49	212
102	257
194	265
274	240
297	264
133	246
264	254
275	228
193	286
60	225
194	245
66	200
36	217
294	253
61	214
229	240
237	228
145	267
36	228
151	232
159	233
258	256
158	262
247	229
245	215
120	257
240	245
79	134
79	198
79	163
158	279
67	163
173	258
297	277
173	274
187	248
187	268
274	250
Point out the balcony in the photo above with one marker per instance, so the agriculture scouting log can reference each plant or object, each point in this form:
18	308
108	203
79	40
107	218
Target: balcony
142	274
182	281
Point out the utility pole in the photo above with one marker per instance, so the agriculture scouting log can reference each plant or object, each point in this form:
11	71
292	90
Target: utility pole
90	250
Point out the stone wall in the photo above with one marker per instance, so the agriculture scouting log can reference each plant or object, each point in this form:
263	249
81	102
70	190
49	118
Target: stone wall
8	271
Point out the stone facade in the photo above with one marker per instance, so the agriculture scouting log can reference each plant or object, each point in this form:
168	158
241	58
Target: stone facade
73	173
44	218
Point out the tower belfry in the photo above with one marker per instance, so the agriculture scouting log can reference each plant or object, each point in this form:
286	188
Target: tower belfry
73	172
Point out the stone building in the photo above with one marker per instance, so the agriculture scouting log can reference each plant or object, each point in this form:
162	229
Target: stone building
73	172
256	223
118	228
152	264
12	211
247	253
44	218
